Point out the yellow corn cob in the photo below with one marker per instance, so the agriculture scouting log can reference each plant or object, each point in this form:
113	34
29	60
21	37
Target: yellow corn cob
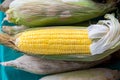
54	41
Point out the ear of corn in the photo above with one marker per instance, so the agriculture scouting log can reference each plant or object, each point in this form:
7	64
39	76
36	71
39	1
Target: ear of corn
57	43
54	41
37	65
72	44
34	13
88	74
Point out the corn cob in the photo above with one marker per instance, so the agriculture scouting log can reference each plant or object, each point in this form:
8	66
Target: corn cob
55	12
54	41
90	74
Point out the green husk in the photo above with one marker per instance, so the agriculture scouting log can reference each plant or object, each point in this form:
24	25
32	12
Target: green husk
36	13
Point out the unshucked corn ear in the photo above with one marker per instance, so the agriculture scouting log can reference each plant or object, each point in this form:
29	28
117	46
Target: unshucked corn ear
55	12
72	43
38	65
90	74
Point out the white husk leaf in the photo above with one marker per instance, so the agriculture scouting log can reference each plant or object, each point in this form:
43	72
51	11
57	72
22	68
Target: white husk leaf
105	34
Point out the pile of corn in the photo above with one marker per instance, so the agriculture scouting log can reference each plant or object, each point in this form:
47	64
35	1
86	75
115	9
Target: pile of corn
57	38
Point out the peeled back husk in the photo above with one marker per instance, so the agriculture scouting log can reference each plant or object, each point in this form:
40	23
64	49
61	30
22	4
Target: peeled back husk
36	13
88	74
38	65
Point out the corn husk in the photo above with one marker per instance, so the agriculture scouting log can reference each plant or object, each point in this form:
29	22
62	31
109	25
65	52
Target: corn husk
90	74
44	66
55	12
